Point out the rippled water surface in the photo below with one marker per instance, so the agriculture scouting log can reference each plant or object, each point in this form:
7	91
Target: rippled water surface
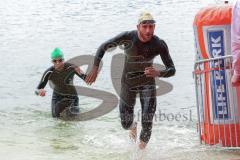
30	29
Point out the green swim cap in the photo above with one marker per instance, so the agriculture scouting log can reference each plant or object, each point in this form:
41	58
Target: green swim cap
57	53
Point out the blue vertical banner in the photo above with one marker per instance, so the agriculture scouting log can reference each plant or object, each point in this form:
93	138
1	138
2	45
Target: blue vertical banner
218	76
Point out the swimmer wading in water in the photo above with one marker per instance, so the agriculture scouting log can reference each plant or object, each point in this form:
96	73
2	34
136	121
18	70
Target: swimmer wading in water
60	75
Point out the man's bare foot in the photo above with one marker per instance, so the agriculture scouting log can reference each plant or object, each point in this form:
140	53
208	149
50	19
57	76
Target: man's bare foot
133	132
142	145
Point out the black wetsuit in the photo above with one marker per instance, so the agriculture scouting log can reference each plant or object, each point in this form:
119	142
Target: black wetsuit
138	56
64	93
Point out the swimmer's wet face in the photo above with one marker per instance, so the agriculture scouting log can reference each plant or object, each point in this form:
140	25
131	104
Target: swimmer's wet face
145	31
58	63
57	60
146	26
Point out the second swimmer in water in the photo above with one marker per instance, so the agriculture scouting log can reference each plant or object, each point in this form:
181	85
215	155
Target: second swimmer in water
64	97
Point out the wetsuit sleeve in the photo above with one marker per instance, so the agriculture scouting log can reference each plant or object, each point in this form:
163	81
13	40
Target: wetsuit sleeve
167	60
73	66
45	78
81	75
111	43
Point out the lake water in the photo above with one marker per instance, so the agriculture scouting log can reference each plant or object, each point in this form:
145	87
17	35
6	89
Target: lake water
30	29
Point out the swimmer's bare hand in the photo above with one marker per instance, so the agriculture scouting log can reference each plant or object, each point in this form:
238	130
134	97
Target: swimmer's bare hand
92	76
41	92
151	72
235	80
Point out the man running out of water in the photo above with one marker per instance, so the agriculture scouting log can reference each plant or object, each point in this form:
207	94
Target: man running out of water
141	46
60	75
